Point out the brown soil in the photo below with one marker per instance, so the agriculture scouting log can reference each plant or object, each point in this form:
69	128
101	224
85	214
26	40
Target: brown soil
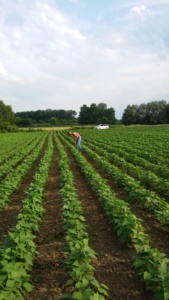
114	262
48	275
113	265
159	235
11	209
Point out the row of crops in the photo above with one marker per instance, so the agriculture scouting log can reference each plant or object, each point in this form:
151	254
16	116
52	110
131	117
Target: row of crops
136	159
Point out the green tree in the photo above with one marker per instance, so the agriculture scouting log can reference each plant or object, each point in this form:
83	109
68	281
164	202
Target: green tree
167	113
101	113
141	114
110	115
156	112
130	115
6	116
96	114
84	115
23	122
44	116
53	121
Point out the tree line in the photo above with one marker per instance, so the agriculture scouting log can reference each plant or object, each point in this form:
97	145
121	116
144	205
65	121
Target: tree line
96	114
45	118
93	114
155	112
152	113
7	118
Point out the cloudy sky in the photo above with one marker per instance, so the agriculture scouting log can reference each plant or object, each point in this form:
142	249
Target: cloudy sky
62	54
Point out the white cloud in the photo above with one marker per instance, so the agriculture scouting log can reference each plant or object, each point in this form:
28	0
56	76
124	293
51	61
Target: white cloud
55	57
5	75
3	72
57	21
63	44
140	10
17	35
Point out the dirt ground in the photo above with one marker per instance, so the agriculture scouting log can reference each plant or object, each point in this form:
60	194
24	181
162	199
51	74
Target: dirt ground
113	265
11	209
114	262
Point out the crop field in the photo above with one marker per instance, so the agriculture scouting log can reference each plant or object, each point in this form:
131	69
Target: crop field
88	226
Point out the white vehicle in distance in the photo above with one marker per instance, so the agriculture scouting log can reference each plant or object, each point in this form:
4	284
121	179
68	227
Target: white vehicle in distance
102	126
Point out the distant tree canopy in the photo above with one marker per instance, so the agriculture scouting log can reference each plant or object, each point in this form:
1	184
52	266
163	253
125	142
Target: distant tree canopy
96	114
155	112
152	113
6	116
49	116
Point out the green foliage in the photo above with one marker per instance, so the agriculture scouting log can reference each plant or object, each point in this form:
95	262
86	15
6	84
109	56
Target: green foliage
155	112
78	253
46	118
130	115
96	114
18	251
6	117
149	200
153	267
152	264
13	178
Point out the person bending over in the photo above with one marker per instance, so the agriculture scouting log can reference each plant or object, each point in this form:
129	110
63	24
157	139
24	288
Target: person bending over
78	139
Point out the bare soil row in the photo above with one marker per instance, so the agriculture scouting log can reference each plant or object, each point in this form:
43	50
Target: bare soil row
114	262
